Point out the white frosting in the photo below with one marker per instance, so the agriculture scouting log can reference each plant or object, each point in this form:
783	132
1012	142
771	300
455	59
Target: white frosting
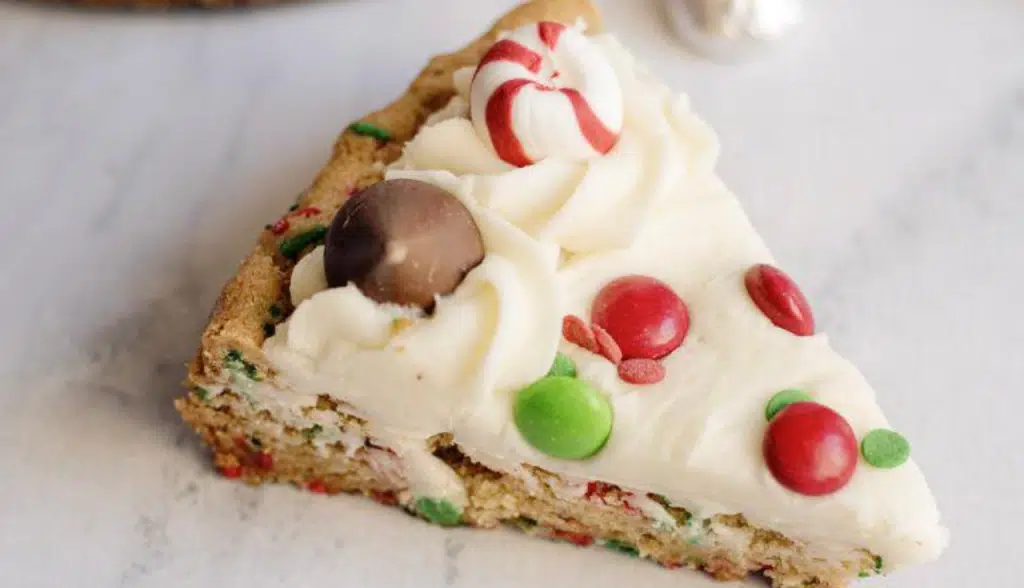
555	233
544	120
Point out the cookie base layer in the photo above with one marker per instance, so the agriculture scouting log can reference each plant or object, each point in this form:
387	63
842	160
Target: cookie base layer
257	449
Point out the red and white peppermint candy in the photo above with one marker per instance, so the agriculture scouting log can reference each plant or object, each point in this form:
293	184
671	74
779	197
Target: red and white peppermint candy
546	90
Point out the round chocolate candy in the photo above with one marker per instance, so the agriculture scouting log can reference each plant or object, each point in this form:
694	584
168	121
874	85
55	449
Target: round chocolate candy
783	399
563	417
402	241
810	449
643	315
778	298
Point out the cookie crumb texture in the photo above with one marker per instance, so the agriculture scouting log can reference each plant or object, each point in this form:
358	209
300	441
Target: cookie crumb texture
253	449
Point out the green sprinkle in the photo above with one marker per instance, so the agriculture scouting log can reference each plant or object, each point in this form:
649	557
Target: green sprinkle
563	366
864	574
783	399
879	564
293	246
370	130
884	448
275	311
439	511
312	432
236	363
202	393
524	524
293	207
621	547
255	441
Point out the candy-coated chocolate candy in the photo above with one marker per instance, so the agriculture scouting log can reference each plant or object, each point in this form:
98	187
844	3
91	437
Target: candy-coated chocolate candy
563	417
810	449
783	399
563	366
779	299
884	448
644	316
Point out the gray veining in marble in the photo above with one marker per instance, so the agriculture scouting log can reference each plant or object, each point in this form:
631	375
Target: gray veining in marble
880	152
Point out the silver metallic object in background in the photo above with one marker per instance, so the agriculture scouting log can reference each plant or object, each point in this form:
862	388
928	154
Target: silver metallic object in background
732	30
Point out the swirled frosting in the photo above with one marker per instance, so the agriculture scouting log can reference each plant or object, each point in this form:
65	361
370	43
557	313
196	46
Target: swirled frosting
555	233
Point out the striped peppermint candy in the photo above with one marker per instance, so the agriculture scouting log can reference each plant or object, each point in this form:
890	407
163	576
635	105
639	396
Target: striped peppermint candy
546	90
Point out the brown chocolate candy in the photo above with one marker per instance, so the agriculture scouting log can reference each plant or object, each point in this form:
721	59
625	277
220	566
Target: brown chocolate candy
402	241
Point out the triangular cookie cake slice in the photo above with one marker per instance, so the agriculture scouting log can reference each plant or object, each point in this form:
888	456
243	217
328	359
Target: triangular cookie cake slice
520	294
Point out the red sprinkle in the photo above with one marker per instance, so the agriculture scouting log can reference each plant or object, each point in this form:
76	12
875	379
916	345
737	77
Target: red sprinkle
385	498
671	565
630	508
280	226
597	489
641	371
317	487
578	333
307	212
264	460
231	472
578	539
607	346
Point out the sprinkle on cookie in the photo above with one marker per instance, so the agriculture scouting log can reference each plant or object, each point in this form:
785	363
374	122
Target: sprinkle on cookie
367	129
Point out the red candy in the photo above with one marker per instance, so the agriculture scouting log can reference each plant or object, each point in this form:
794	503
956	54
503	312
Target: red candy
810	449
779	298
317	487
578	333
641	371
644	316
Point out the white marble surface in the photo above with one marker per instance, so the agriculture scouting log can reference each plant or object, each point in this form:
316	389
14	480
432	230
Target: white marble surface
881	153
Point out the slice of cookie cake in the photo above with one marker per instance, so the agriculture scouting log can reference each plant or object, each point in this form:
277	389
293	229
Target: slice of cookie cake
521	295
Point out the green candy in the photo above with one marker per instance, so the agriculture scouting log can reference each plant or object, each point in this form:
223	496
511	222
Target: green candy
563	366
884	448
563	417
783	399
293	246
621	547
370	130
439	511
